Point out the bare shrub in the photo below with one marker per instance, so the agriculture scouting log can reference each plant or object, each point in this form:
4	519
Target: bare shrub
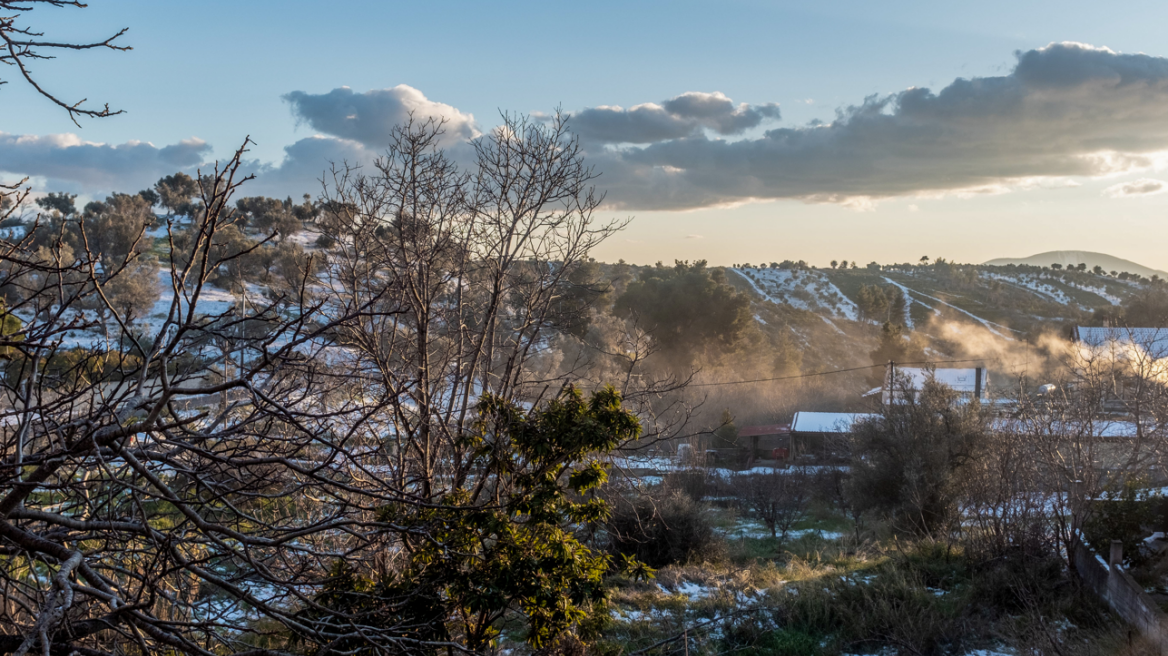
778	498
696	482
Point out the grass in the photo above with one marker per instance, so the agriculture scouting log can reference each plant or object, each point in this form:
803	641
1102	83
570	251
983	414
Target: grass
811	596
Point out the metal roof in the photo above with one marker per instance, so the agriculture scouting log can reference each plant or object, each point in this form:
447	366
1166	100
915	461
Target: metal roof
961	380
827	422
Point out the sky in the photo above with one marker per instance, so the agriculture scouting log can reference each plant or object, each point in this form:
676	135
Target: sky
733	131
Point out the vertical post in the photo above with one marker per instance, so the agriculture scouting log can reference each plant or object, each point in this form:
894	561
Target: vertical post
890	382
1078	491
1116	553
977	383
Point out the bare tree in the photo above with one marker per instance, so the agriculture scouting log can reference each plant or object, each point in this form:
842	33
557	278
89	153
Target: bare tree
233	474
778	498
20	45
465	269
23	45
125	477
1102	423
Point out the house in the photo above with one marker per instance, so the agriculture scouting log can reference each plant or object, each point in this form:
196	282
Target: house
820	433
1123	342
1135	353
969	384
1104	430
826	423
766	438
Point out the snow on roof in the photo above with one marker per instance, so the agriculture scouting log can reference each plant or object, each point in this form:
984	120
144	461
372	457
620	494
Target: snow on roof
1152	340
1102	429
961	380
826	422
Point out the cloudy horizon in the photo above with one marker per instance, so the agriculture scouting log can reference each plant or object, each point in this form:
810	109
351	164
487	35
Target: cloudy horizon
1065	131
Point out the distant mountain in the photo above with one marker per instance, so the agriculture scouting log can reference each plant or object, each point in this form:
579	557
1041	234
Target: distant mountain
1108	262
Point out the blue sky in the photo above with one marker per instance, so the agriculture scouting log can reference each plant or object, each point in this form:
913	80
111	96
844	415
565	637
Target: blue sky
217	71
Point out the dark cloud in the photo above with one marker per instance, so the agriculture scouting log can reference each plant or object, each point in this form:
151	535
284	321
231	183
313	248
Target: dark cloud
369	118
69	164
1141	187
679	117
1065	110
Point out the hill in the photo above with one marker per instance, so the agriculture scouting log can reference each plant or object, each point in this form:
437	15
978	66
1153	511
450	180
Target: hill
1108	262
953	312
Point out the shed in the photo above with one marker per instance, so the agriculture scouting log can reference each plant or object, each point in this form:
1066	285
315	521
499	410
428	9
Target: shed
822	431
766	437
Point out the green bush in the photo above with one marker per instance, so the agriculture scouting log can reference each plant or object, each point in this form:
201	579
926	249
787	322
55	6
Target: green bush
744	638
1125	514
659	531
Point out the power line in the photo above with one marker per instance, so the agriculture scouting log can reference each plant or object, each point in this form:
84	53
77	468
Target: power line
827	373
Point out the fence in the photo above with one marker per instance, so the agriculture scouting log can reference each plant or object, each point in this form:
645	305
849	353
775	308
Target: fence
1126	597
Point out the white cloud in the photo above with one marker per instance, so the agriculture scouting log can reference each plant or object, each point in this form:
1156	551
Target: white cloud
370	117
64	162
306	163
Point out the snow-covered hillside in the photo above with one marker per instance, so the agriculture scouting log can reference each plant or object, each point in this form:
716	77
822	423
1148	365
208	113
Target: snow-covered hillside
803	289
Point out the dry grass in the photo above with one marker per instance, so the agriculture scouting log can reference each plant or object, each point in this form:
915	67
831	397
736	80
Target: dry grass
901	598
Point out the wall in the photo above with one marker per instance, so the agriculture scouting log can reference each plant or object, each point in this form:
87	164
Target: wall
1126	597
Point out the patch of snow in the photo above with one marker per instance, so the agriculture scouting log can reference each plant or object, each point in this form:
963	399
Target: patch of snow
829	322
805	290
694	591
989	325
908	301
817	532
1101	292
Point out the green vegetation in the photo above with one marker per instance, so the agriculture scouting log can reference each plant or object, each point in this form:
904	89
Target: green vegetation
812	597
690	309
472	566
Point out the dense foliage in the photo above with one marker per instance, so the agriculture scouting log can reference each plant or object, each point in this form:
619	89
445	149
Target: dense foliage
467	563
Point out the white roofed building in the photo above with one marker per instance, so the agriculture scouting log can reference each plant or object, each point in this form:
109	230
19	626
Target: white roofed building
823	435
969	384
1121	340
826	422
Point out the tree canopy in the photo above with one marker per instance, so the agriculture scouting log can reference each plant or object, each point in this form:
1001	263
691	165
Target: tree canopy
688	308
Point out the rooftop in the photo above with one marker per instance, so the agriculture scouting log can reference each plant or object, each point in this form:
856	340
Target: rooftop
961	380
827	422
766	429
1154	341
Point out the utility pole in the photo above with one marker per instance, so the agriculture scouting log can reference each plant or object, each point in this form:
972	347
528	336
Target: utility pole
891	381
